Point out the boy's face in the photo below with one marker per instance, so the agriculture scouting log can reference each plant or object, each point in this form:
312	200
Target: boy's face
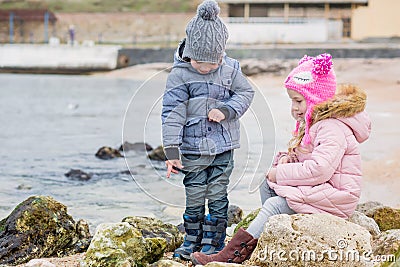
203	67
299	105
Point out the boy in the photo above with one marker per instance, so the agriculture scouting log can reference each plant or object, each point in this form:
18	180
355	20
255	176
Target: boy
205	96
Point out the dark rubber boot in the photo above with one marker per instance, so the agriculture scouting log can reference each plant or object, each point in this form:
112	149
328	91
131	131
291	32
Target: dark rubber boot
194	233
214	233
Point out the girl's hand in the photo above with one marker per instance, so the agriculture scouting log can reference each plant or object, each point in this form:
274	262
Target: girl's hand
216	115
271	175
283	160
291	158
170	166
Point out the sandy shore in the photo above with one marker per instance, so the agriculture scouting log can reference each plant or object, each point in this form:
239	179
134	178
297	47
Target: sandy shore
380	78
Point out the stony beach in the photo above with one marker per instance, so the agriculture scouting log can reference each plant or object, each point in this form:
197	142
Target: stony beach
378	77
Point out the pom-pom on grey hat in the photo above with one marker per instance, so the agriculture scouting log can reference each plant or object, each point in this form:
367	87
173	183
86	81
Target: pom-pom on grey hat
206	34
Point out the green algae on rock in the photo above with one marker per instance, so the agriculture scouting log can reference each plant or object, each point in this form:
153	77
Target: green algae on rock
386	217
151	227
38	227
120	244
247	220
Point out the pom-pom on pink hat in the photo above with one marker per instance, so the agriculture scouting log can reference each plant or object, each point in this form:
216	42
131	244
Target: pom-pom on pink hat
315	79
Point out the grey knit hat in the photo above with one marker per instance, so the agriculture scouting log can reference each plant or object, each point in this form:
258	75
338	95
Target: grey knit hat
206	34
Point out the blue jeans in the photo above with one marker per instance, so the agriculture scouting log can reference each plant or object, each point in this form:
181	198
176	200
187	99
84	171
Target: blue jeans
272	205
207	177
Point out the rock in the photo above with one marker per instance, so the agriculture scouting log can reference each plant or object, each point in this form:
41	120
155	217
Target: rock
223	264
24	187
235	214
247	220
386	217
367	206
167	263
254	66
150	227
126	146
120	244
157	154
366	222
106	152
386	243
38	227
318	239
39	263
76	174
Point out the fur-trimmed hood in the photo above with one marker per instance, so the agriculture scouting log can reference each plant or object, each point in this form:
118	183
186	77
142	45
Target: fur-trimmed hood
348	106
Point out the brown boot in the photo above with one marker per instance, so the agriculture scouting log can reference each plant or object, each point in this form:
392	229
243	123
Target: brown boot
238	250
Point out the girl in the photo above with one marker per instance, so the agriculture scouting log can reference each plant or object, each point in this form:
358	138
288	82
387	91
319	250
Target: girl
321	172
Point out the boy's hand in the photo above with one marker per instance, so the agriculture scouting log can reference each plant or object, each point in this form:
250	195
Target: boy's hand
271	175
170	166
216	115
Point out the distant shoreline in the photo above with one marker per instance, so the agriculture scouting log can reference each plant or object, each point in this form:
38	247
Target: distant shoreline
77	60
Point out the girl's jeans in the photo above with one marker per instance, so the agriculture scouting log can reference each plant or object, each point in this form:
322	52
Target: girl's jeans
207	177
272	205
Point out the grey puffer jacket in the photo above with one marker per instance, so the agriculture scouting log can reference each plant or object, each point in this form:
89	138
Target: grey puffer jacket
188	98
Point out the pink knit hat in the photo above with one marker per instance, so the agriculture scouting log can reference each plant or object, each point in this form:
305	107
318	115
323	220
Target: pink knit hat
315	79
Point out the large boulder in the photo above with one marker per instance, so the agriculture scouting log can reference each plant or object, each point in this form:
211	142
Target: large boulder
150	227
120	244
40	227
312	240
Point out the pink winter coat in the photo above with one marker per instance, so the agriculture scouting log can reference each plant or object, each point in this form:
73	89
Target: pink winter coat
327	178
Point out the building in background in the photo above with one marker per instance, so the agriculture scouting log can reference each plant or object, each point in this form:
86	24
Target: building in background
26	26
304	21
380	19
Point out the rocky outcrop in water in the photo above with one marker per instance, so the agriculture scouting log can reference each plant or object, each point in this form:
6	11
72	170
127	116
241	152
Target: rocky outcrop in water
151	227
120	244
80	175
40	227
157	154
126	146
106	152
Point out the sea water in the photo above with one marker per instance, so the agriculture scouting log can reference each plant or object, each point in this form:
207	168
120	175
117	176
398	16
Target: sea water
51	124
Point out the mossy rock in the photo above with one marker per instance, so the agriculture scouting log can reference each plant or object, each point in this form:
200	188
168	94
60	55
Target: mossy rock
247	220
387	218
151	227
38	227
120	244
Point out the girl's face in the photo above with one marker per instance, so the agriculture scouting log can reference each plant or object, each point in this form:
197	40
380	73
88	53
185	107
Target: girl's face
299	105
203	67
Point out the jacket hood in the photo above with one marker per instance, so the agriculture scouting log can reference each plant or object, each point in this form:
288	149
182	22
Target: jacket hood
348	106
